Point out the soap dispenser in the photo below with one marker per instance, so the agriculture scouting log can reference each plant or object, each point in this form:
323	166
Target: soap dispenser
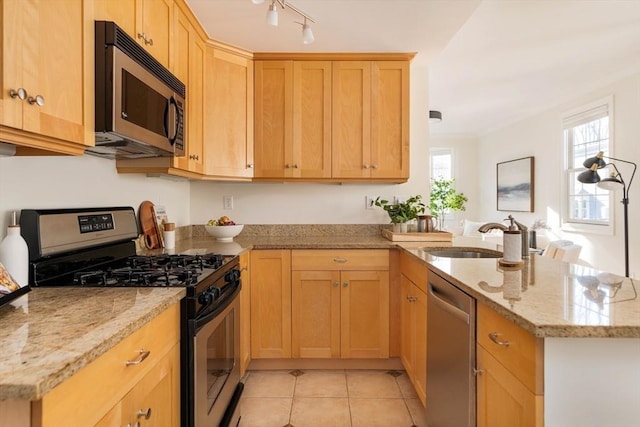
14	253
512	242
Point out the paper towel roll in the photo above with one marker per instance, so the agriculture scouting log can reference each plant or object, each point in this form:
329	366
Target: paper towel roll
512	246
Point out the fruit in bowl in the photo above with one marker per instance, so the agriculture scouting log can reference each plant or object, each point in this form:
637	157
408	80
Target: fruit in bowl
223	229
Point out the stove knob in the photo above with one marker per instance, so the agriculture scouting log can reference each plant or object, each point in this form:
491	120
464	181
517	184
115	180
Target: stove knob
205	298
232	276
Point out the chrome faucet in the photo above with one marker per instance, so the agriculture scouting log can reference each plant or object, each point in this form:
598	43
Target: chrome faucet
524	232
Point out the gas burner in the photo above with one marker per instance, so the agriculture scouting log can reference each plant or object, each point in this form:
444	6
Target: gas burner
170	262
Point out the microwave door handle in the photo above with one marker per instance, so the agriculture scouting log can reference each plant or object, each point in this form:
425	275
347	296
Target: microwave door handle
172	102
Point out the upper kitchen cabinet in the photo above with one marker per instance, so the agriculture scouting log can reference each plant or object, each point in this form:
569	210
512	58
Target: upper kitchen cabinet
47	75
325	117
370	134
188	65
293	119
147	21
228	113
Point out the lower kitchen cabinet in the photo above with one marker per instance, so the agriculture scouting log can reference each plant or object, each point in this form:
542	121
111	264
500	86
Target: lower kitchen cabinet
245	312
151	402
413	314
138	380
510	373
270	304
340	303
413	347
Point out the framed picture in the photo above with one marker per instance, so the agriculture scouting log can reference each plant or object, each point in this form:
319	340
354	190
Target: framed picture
515	185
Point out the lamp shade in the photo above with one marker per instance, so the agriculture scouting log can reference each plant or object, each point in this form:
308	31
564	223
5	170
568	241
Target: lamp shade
589	177
596	160
612	184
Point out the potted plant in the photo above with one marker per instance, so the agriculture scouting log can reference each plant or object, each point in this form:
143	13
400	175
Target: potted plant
402	212
444	198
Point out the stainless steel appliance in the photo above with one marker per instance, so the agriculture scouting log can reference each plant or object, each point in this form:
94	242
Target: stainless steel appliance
139	103
95	247
451	355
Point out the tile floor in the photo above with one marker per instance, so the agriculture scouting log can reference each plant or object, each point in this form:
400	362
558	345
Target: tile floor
321	398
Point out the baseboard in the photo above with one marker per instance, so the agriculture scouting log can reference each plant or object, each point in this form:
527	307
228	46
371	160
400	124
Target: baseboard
274	364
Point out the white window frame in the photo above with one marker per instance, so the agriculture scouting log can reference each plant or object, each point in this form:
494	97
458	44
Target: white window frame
573	115
440	151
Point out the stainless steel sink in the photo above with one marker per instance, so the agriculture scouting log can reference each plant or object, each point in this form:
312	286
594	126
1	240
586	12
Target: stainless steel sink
463	253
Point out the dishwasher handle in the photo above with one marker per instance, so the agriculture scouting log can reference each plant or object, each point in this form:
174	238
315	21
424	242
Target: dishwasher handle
447	306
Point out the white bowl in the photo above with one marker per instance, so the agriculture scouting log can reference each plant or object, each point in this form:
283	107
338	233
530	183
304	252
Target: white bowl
224	233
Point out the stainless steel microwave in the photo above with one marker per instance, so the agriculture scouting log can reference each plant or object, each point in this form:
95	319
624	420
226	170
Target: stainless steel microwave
139	103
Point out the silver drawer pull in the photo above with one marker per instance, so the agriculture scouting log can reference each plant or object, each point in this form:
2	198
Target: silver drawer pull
142	413
477	371
340	260
143	355
494	337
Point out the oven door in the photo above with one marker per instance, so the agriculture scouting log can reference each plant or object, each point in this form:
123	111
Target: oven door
217	368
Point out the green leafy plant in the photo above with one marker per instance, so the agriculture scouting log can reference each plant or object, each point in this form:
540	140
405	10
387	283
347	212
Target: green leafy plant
403	211
444	198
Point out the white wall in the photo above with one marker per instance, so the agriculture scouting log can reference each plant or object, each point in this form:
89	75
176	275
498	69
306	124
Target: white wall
541	136
305	203
85	181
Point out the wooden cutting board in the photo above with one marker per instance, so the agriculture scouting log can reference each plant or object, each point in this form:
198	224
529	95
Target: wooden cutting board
148	225
435	236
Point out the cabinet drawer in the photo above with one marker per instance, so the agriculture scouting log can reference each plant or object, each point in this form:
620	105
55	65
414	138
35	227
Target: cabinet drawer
414	270
340	259
516	349
63	405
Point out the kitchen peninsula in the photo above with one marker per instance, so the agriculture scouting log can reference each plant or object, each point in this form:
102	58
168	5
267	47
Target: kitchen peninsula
591	332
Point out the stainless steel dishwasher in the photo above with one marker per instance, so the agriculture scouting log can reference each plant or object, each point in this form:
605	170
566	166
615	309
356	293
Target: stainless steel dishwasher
451	355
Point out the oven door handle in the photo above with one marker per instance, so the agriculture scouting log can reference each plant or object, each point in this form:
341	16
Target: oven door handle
202	320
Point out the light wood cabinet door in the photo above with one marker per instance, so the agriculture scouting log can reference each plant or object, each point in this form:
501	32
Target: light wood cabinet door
502	400
228	114
245	312
153	401
389	119
311	152
351	119
315	314
52	70
270	304
413	349
273	118
122	12
364	314
188	65
153	27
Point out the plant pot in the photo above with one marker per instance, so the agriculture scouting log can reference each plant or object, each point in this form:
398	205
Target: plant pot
399	227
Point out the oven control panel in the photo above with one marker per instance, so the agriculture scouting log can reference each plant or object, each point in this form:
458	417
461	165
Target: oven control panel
93	223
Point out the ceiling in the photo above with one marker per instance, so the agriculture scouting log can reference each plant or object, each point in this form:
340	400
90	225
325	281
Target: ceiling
491	62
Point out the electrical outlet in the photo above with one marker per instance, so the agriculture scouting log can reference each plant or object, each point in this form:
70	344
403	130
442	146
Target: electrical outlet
368	202
227	202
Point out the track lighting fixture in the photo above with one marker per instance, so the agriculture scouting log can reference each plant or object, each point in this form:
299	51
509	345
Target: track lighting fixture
272	14
307	34
272	17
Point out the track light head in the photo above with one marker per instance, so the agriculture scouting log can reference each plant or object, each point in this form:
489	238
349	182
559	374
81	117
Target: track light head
272	14
307	33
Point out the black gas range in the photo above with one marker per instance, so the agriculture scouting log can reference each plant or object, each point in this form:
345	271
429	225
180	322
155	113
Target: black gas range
95	247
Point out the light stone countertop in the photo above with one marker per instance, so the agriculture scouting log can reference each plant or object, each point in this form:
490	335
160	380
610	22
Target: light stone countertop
63	329
50	333
546	297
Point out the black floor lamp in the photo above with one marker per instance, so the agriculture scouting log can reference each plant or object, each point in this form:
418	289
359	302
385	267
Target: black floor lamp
614	182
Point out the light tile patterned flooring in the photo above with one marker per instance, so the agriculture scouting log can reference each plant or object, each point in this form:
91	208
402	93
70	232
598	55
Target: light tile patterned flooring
322	398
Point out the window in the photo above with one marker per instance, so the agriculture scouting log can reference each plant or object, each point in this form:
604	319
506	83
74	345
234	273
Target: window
441	161
586	132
